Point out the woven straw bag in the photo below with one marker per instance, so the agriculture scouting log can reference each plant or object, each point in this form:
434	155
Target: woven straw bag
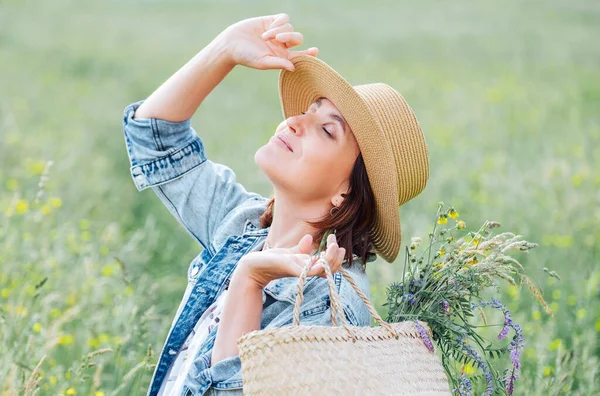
390	359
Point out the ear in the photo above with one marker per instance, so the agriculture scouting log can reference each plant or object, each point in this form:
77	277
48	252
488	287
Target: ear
338	198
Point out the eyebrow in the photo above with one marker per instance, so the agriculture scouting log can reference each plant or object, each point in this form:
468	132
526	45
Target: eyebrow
333	115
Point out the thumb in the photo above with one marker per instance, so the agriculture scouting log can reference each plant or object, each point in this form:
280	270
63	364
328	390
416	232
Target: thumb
304	246
275	62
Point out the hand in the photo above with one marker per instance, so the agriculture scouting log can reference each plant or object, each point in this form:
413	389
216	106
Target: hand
264	266
263	42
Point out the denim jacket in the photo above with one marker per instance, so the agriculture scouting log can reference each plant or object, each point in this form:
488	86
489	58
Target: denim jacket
223	218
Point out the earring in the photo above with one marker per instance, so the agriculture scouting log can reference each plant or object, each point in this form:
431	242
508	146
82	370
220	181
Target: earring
331	211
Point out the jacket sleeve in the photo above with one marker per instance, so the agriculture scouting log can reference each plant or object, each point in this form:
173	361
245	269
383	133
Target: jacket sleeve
170	158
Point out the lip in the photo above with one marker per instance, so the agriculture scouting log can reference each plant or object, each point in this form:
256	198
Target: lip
284	140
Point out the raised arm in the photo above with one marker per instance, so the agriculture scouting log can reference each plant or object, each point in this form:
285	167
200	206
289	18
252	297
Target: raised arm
166	153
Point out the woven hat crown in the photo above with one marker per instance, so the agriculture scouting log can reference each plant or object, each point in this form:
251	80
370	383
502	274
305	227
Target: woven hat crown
403	134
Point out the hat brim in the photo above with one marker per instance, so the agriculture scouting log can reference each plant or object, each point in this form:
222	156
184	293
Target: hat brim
313	78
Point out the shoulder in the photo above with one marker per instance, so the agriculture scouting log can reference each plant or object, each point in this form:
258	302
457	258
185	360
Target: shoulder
244	217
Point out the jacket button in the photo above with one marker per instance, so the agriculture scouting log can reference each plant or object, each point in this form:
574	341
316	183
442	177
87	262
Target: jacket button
195	271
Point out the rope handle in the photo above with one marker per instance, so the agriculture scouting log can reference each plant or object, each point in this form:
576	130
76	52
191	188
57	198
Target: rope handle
336	304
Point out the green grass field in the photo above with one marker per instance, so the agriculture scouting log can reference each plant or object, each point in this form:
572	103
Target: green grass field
507	93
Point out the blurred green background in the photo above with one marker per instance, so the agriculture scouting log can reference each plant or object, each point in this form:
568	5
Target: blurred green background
507	93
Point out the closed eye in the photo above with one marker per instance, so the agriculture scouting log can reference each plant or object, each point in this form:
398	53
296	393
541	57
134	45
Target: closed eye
326	131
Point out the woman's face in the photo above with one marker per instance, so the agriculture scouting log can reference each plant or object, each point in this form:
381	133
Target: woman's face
321	154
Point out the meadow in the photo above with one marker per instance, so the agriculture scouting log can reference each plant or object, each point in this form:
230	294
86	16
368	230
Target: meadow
92	271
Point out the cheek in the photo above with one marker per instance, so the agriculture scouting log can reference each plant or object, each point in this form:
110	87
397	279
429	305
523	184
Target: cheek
323	163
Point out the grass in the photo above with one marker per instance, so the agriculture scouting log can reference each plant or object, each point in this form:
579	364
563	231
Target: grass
507	95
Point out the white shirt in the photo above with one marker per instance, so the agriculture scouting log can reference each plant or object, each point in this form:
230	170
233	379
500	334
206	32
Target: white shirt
173	382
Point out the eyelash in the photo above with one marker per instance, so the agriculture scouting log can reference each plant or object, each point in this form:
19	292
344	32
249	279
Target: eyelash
327	132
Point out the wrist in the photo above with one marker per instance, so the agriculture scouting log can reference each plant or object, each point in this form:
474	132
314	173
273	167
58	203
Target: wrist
222	48
242	277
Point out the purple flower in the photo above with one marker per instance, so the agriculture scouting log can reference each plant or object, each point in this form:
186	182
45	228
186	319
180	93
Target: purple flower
515	346
464	386
510	382
424	336
479	360
445	307
504	332
410	297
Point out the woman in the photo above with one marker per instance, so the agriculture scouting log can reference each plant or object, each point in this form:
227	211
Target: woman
343	159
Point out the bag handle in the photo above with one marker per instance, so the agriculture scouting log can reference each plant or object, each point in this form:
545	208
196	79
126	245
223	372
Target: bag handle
336	303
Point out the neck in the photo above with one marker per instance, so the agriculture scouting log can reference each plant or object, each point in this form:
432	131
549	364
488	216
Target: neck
289	222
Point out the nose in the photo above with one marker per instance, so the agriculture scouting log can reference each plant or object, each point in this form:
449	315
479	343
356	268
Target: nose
296	124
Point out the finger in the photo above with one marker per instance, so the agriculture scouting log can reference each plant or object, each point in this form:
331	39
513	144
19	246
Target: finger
302	260
312	51
271	33
290	39
304	246
279	19
339	260
275	62
317	270
332	250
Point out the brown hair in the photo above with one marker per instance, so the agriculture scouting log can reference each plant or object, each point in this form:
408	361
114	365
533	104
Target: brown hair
353	220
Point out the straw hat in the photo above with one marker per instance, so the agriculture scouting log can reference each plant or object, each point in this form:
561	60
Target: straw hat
386	129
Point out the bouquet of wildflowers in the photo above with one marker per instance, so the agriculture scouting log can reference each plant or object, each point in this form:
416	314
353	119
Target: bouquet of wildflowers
442	285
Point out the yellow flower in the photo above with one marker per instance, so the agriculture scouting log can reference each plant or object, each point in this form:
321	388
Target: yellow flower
5	293
442	219
86	236
93	342
56	202
554	345
53	380
21	310
107	270
99	393
84	224
22	206
68	374
37	327
553	307
476	241
598	325
453	213
556	294
46	209
36	168
547	371
128	291
468	368
54	313
102	338
461	225
71	391
572	301
12	184
442	252
536	315
580	313
104	250
513	291
66	339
